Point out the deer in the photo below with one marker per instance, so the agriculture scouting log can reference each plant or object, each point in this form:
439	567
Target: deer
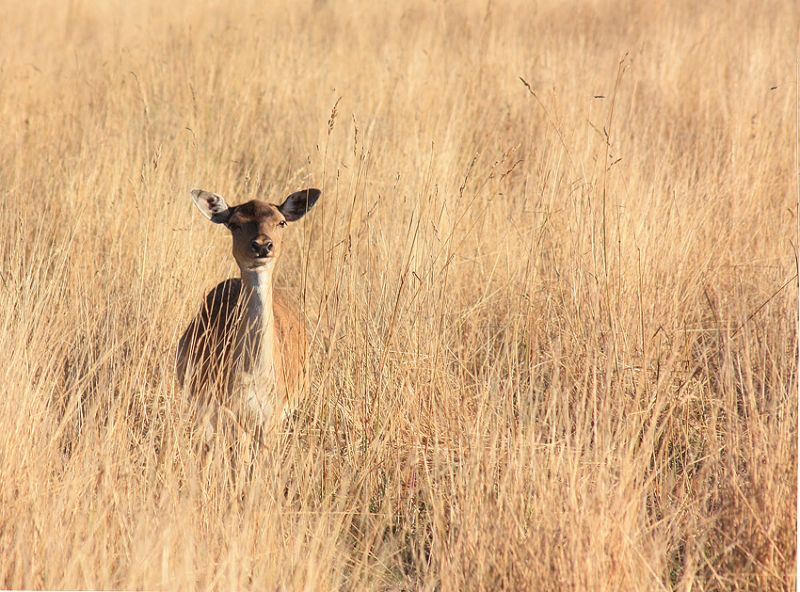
245	351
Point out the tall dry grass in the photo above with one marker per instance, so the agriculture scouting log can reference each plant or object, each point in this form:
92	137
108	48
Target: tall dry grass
551	285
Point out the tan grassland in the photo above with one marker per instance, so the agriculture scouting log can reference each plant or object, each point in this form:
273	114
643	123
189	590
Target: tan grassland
551	289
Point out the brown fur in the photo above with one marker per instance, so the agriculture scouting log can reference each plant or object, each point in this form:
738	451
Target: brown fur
207	344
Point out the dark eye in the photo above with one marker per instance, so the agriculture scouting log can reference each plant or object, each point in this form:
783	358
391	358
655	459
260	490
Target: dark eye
233	226
282	223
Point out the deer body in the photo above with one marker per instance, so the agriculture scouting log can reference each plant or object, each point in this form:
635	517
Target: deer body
245	351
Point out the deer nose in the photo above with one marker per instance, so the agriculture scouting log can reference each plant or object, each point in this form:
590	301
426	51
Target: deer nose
262	246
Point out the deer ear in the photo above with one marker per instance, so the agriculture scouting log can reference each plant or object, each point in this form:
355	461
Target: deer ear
298	203
212	206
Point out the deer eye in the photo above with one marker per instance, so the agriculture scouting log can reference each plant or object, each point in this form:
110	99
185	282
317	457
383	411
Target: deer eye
282	223
233	226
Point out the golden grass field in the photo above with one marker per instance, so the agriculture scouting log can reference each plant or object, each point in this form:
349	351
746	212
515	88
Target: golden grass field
550	286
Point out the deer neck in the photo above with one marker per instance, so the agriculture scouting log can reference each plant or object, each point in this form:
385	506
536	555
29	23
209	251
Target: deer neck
259	316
